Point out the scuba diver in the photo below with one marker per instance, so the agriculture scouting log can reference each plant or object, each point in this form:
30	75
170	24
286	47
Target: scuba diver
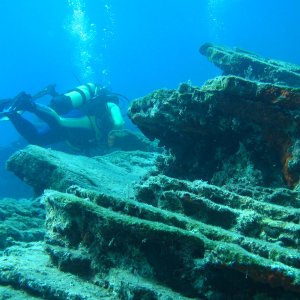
83	116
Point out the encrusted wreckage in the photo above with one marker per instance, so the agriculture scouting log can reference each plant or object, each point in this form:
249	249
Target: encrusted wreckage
217	216
231	130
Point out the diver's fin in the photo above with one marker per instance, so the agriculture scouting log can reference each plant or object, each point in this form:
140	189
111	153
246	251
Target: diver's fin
23	101
48	90
5	103
4	115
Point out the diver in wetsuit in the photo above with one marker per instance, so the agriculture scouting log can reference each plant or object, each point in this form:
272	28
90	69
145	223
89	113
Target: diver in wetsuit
83	117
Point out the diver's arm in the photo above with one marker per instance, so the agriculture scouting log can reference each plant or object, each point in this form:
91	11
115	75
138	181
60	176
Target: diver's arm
116	115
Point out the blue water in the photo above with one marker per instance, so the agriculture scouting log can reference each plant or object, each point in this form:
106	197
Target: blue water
133	46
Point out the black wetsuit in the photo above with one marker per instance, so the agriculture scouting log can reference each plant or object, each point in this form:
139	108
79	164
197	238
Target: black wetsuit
53	132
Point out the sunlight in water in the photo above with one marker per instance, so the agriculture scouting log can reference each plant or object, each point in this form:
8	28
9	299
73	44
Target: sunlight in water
90	51
107	37
215	7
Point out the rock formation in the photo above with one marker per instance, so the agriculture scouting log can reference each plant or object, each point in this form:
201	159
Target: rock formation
57	170
216	216
252	66
22	220
188	237
232	126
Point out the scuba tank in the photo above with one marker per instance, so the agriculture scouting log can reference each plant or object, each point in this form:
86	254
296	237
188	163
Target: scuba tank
81	94
75	98
80	98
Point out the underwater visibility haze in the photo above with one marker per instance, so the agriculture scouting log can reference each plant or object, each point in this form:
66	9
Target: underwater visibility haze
199	196
133	47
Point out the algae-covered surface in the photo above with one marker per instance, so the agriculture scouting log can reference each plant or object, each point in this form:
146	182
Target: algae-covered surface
214	215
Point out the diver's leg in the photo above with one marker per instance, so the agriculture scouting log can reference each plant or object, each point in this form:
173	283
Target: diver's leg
47	114
25	103
55	121
30	132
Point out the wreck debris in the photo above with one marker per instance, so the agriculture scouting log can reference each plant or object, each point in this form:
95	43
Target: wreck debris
215	217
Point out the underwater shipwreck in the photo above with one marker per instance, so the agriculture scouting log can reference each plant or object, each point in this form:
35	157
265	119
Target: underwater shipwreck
211	212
